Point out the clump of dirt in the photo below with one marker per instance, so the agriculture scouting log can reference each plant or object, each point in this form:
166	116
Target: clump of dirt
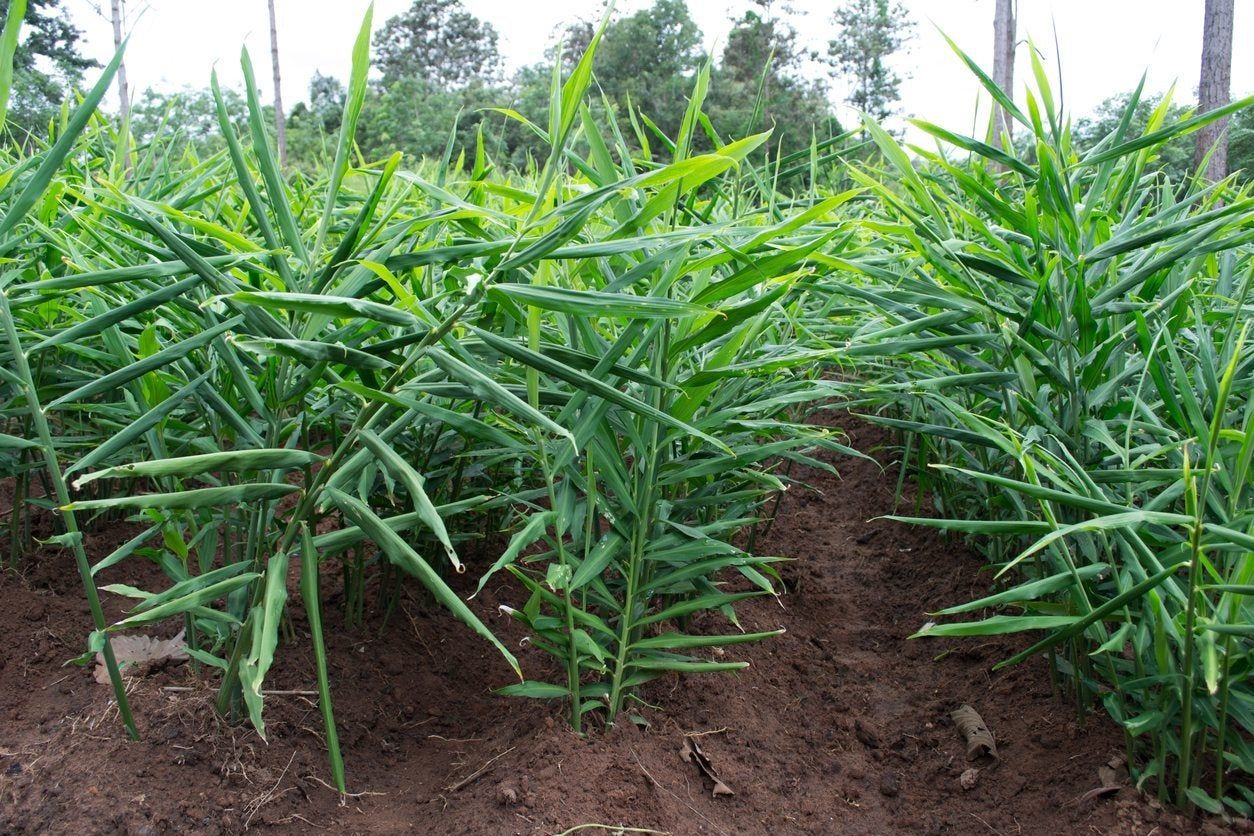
840	725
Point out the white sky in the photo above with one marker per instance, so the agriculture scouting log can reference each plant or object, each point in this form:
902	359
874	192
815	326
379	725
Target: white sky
1105	44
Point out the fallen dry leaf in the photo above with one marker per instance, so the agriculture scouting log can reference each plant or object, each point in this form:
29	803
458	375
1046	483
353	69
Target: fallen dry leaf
692	753
140	654
975	732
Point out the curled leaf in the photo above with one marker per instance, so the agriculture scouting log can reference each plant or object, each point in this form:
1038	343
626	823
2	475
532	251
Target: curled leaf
979	739
692	753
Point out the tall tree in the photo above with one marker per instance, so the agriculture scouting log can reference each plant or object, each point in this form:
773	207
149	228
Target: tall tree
326	100
869	32
311	128
10	37
651	57
1173	158
116	13
572	42
762	47
439	42
1241	143
1215	86
1004	65
46	65
185	118
760	83
280	122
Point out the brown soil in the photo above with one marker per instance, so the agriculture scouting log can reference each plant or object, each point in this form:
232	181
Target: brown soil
839	726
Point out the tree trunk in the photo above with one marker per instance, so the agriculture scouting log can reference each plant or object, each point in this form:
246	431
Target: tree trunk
1003	65
1214	88
124	97
280	124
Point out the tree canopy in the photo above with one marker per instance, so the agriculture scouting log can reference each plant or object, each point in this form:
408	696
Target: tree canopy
1175	158
649	59
870	31
439	66
437	42
47	64
439	70
760	83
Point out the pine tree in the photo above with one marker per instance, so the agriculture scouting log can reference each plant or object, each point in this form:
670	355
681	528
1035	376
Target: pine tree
1004	65
1215	86
280	123
870	31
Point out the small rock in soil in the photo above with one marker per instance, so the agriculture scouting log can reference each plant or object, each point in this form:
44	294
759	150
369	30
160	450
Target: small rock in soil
969	778
889	785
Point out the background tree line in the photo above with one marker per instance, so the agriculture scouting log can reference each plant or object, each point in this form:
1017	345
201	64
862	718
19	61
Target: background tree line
437	65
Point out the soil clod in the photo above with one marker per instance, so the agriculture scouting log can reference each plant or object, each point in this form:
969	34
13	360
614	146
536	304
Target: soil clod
866	733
